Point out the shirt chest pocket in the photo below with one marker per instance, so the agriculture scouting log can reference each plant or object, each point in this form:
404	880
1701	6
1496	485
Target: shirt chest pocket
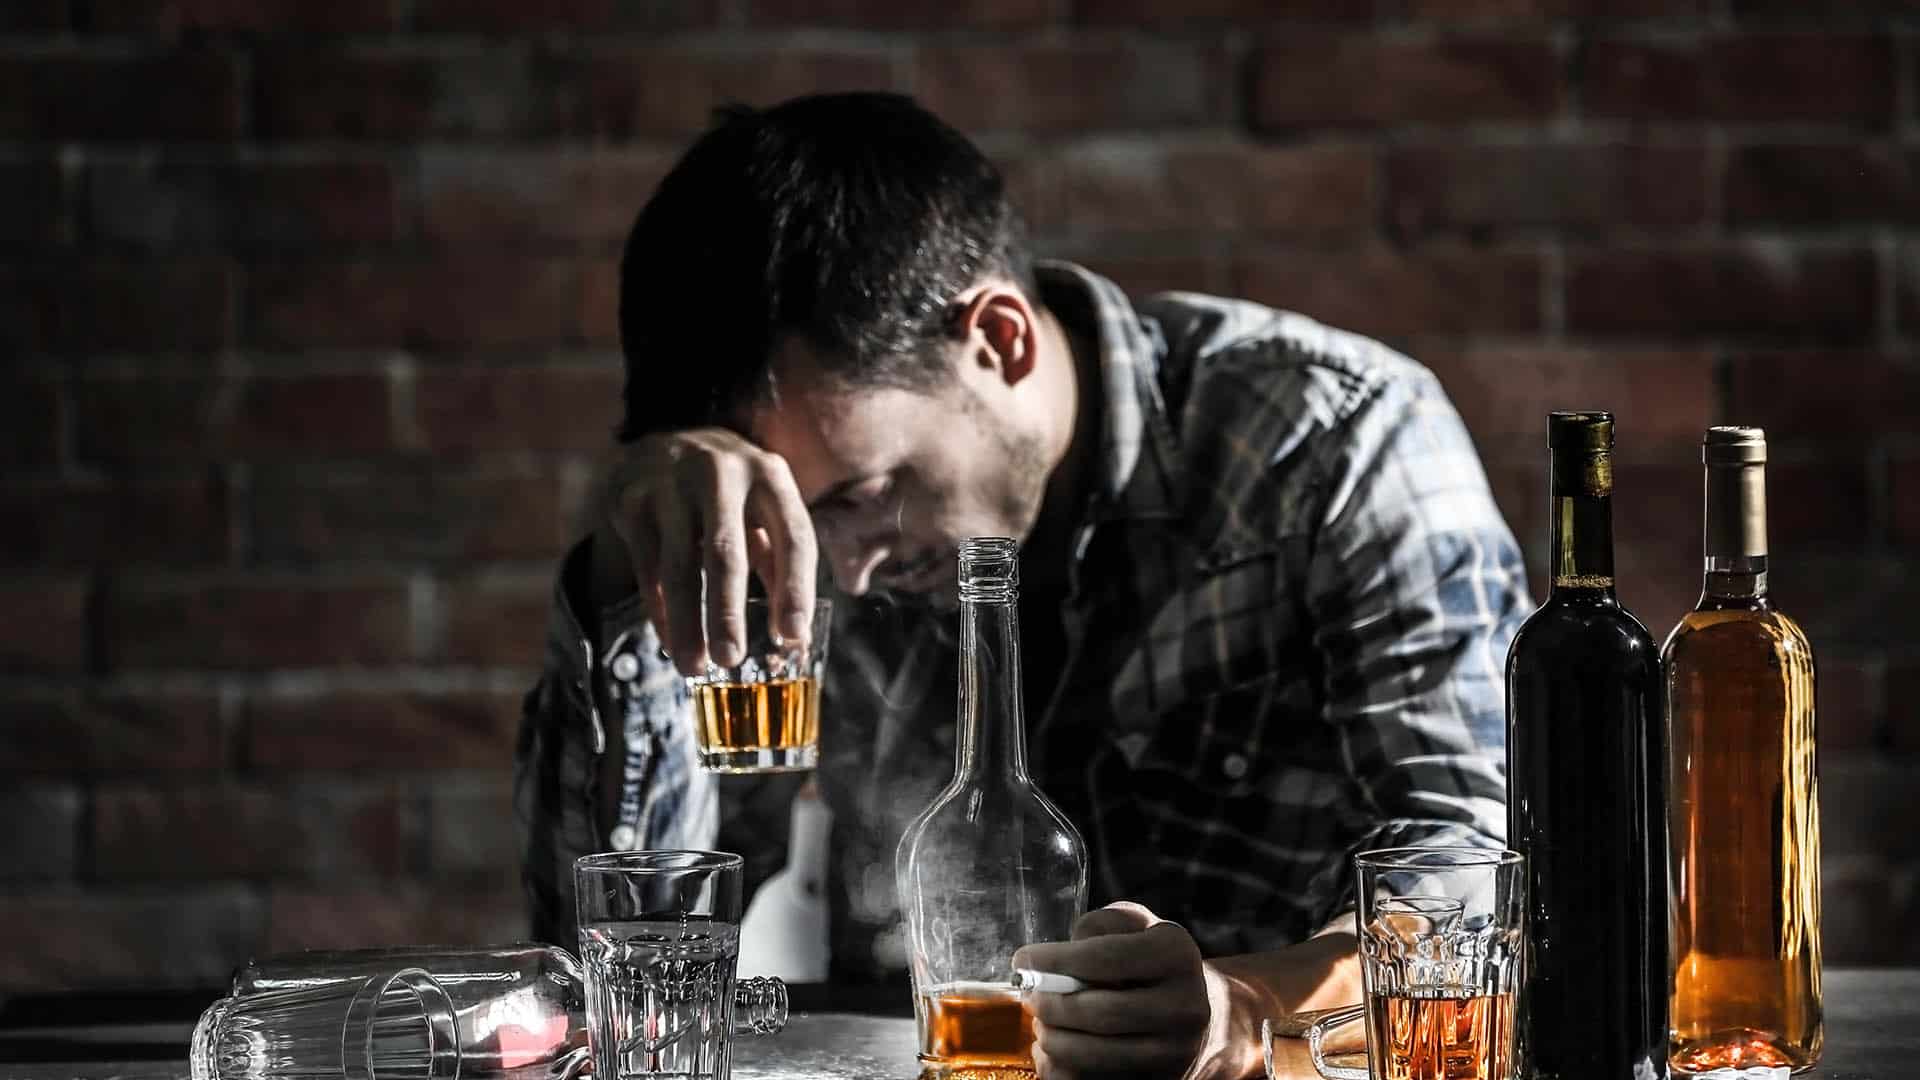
1228	622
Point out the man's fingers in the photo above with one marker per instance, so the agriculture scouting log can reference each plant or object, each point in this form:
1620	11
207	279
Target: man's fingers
1120	917
774	505
1149	1009
1074	1052
723	555
1116	959
680	590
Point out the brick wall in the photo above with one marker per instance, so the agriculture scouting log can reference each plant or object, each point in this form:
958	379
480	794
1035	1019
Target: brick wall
308	311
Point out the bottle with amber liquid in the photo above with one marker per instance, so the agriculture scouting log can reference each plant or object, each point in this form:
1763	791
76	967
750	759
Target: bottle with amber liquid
1746	811
991	864
1586	801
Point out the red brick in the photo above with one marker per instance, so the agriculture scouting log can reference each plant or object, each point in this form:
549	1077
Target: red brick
278	831
497	621
1821	183
1553	9
626	92
102	304
1591	187
524	407
46	624
1866	805
374	730
1906	501
112	732
168	17
1663	399
347	918
30	411
1158	13
1360	80
1822	8
1144	273
122	521
518	17
407	510
496	301
1398	294
1742	291
1041	86
1824	504
32	15
1902	723
35	210
70	940
255	622
183	95
120	418
902	14
40	832
1656	530
471	825
173	204
392	94
1840	79
1119	187
1825	397
535	199
1848	698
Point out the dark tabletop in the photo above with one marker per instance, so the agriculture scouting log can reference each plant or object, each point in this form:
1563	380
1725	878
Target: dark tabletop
1873	1031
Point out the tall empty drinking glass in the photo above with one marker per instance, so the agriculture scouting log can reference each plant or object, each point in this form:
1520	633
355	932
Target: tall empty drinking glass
394	1025
660	939
1442	946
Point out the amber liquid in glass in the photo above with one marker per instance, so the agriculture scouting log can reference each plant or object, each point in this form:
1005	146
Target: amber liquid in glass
777	715
1746	839
976	1032
1440	1038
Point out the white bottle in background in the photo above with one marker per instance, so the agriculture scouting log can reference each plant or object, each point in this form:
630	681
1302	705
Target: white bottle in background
784	931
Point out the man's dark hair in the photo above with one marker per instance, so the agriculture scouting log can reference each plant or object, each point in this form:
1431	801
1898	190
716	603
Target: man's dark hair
853	220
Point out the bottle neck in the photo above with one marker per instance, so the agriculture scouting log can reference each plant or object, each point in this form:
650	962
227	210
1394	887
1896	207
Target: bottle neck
1580	548
993	737
1736	531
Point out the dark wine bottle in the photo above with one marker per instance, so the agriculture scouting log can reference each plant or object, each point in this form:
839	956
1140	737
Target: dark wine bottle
1586	803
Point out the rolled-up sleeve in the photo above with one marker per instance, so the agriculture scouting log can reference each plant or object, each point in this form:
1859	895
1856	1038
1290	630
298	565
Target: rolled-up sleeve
1416	587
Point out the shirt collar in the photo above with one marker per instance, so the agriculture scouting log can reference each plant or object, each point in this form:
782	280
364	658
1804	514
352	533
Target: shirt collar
1137	445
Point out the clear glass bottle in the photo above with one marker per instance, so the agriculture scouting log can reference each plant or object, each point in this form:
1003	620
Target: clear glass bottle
991	864
1746	809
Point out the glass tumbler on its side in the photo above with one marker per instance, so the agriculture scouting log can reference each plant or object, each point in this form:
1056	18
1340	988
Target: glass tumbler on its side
763	714
395	1025
660	941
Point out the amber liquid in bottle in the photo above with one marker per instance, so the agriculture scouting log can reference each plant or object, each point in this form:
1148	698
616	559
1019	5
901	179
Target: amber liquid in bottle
1745	798
978	1031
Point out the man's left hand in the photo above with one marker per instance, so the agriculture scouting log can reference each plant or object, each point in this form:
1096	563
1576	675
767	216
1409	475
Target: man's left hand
1146	1010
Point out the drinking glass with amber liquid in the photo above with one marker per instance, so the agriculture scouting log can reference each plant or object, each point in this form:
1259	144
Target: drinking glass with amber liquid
763	714
1442	948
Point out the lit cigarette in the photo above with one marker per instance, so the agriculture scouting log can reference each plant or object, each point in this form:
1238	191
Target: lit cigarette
1046	982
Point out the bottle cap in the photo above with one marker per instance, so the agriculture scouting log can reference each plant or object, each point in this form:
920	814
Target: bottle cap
1580	431
1734	446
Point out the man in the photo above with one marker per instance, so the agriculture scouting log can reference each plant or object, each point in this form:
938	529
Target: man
1266	593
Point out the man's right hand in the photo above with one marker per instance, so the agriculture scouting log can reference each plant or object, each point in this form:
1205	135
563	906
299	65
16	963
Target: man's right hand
695	512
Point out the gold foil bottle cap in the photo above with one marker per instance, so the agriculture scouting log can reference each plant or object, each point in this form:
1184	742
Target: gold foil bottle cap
1588	432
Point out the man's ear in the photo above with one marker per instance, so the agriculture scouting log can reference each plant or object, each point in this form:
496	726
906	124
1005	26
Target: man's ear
999	330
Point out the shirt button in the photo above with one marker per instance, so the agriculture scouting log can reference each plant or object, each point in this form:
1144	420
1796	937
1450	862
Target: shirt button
622	837
625	667
1235	766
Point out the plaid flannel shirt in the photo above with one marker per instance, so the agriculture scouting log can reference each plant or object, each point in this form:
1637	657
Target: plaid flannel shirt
1290	605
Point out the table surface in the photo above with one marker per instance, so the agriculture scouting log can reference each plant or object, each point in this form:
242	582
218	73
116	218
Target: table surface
1873	1031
